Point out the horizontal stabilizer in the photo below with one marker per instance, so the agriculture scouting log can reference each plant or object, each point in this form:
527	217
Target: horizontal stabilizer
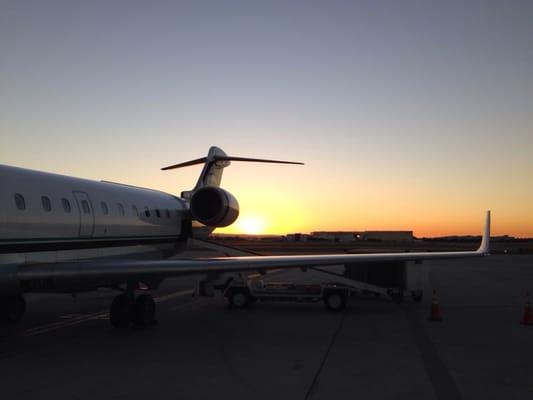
227	158
186	163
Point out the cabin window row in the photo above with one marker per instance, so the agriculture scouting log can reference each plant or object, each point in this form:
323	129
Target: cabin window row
20	203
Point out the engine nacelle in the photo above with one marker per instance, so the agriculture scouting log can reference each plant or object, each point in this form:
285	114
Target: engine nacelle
213	206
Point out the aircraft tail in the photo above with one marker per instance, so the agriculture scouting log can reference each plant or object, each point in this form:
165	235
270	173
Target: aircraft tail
214	164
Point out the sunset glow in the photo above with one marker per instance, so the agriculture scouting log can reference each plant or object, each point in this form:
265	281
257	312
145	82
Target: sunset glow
251	225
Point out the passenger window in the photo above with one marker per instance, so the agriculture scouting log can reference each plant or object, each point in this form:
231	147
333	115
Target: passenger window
157	213
120	209
146	212
47	206
66	205
20	202
85	207
105	210
168	213
135	211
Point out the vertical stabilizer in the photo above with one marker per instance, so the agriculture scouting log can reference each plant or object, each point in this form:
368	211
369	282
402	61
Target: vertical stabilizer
212	172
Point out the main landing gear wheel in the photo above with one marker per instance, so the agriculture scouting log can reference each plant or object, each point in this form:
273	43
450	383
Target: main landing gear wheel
126	309
120	311
144	311
12	308
239	298
335	300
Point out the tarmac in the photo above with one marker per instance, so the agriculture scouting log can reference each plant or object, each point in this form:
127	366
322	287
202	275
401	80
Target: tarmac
65	348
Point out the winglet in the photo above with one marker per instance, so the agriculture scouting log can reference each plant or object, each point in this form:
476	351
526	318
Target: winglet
484	248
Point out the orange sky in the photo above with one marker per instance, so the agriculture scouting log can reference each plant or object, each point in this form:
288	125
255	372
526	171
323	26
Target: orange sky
284	199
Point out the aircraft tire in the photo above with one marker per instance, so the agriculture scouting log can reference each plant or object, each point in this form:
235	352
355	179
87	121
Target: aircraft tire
144	311
12	308
335	300
239	298
120	314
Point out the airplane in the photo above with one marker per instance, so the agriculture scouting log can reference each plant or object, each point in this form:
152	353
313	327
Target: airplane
61	234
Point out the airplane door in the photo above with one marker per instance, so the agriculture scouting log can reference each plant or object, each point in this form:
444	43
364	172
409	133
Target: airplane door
86	214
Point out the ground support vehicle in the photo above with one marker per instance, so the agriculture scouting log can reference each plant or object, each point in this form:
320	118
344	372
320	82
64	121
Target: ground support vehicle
241	294
334	294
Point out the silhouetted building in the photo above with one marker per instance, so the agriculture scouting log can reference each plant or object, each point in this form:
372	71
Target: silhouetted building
396	236
297	237
340	236
344	236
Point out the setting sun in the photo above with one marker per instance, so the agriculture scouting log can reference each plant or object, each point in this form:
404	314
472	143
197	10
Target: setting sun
251	225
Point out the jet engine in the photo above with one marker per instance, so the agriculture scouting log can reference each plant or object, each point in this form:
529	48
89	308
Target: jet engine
213	206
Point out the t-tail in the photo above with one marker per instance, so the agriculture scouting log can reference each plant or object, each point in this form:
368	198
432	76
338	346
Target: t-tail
211	205
215	162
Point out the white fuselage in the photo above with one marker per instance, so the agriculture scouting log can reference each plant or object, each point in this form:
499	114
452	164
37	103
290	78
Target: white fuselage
48	217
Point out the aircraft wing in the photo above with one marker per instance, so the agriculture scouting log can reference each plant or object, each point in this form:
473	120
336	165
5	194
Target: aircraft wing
124	270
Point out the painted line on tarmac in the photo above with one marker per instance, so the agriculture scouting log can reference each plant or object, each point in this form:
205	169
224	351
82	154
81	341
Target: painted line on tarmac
314	382
444	386
94	316
63	324
170	296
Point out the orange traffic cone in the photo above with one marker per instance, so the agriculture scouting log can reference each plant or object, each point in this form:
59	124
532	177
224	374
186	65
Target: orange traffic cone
435	309
527	319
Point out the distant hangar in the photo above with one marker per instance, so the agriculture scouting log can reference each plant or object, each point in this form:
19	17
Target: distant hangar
396	236
348	236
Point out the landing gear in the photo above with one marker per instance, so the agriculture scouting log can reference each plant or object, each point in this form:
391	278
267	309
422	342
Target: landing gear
120	311
126	309
144	311
12	308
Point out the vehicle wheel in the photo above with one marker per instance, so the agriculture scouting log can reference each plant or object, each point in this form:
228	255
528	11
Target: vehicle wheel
120	313
335	300
12	308
239	298
397	297
144	311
